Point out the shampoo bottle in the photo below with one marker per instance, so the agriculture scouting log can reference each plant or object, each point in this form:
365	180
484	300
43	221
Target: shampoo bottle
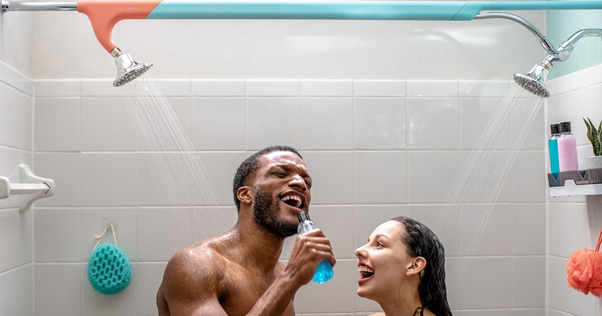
324	270
567	148
553	149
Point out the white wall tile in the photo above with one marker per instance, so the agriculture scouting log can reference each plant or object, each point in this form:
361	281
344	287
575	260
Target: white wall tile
164	178
445	221
210	221
337	223
122	303
529	312
20	296
564	298
3	294
219	123
487	177
3	114
529	229
212	185
380	123
534	136
368	217
58	235
380	88
336	295
477	117
57	124
19	237
469	88
65	170
528	177
529	281
487	230
272	88
107	126
572	107
484	312
103	88
125	231
173	87
570	220
150	276
333	176
272	121
52	301
433	123
15	79
156	227
219	87
381	177
326	88
424	88
109	179
57	88
486	282
431	175
327	123
453	282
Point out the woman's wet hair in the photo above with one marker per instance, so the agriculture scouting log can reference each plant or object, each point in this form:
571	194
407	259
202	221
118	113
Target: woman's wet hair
420	241
248	167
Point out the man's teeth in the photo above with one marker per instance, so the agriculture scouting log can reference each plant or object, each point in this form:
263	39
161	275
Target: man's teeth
292	197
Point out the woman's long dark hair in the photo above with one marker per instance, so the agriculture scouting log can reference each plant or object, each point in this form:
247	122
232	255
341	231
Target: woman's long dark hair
422	242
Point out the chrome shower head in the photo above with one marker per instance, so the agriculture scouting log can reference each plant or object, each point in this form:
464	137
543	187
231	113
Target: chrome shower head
534	81
127	68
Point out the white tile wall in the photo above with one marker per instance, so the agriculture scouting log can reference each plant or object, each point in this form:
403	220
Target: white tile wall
376	149
16	145
574	222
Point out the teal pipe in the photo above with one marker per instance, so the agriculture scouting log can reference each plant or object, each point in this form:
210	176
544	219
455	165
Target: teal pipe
353	10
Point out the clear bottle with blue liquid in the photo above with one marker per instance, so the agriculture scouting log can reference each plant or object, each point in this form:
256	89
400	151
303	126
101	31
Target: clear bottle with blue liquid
324	270
553	149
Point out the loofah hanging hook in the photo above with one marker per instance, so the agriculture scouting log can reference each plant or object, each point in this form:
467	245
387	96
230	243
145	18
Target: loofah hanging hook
584	270
109	269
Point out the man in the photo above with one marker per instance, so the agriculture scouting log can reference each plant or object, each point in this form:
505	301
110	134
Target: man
238	273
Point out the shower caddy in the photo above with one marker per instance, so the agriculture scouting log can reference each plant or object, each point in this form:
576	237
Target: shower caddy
577	182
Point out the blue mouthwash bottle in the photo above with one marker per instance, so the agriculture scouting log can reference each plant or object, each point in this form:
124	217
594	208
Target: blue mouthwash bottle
553	148
324	270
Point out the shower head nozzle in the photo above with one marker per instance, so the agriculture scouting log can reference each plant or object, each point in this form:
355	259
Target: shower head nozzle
127	68
534	81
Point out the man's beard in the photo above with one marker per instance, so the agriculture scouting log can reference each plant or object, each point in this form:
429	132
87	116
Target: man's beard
269	219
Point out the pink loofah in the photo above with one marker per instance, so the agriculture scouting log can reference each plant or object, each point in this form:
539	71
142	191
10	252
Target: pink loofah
584	270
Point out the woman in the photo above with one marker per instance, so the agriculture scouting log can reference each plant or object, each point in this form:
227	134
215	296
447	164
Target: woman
402	268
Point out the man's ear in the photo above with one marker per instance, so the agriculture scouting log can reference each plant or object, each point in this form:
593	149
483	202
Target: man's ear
245	195
417	266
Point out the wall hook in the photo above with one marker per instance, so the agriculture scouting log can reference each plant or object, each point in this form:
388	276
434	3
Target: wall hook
31	187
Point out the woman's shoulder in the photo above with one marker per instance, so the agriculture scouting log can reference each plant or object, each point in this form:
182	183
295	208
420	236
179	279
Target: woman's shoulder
378	314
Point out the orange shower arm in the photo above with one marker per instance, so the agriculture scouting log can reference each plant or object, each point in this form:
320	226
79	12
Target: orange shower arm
104	14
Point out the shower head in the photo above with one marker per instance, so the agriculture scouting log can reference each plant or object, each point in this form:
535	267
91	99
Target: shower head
534	81
127	68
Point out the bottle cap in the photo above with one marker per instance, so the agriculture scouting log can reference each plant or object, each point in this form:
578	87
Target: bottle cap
304	216
565	127
555	128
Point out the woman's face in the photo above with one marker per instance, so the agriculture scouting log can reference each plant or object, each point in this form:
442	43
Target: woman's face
383	262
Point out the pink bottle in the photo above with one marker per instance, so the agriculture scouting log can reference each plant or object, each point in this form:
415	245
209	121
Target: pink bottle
567	148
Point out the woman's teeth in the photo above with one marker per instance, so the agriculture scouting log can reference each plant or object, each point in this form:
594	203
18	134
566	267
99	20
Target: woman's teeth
365	272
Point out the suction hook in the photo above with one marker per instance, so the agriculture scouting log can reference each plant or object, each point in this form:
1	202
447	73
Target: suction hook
108	221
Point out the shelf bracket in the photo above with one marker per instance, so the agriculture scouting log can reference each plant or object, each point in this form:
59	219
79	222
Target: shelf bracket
32	188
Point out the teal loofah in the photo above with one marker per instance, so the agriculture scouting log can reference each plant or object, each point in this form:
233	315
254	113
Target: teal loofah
109	269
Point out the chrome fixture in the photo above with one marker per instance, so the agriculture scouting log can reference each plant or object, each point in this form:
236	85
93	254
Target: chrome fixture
127	68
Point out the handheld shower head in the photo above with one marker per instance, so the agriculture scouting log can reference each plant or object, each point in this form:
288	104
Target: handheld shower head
127	68
534	81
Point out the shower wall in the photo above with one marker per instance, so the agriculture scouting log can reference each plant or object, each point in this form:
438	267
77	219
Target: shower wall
16	124
375	148
383	112
574	222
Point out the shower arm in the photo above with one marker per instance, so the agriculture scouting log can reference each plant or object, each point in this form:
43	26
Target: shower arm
502	15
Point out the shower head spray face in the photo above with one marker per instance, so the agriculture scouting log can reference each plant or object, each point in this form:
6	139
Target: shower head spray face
534	81
127	68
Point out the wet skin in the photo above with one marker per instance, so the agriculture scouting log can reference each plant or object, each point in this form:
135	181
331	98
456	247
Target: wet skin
238	273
